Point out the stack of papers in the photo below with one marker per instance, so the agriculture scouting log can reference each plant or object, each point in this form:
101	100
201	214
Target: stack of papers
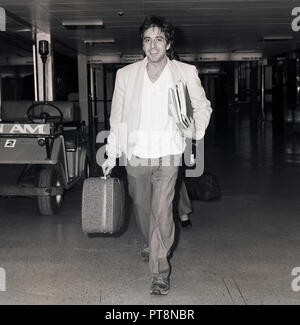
180	104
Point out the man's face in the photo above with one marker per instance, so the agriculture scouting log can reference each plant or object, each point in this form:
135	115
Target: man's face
154	44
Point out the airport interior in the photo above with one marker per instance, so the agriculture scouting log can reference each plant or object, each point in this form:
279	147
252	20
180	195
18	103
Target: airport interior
243	245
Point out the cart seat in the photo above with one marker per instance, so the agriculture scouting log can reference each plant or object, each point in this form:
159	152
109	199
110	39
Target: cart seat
15	110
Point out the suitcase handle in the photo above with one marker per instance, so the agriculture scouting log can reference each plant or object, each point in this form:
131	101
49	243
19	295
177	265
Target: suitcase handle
105	177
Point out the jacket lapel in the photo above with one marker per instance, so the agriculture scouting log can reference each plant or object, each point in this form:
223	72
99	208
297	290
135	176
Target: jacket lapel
138	85
176	76
134	105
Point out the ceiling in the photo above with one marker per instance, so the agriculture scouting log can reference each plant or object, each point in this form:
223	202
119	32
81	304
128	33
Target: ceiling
201	26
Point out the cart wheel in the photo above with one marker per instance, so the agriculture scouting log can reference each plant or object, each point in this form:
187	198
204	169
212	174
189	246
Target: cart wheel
49	205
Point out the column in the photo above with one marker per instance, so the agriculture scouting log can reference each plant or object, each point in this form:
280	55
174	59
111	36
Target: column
277	95
253	90
42	71
83	87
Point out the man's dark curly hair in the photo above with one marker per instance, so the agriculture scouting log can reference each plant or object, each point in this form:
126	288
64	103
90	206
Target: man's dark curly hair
164	25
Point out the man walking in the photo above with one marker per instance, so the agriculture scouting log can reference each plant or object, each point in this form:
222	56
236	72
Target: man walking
143	130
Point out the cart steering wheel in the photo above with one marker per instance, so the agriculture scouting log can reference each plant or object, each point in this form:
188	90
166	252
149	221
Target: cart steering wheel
44	116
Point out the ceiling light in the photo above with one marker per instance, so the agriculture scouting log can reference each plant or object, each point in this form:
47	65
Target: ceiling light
22	30
83	23
100	41
277	38
244	51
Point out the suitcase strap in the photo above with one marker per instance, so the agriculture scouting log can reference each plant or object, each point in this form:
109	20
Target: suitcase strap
104	211
105	177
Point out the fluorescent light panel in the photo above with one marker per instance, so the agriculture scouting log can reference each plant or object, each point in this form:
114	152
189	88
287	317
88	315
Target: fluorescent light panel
277	38
100	41
82	23
244	51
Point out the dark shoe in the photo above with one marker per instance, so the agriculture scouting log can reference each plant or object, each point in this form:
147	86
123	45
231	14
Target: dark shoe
145	253
186	223
160	286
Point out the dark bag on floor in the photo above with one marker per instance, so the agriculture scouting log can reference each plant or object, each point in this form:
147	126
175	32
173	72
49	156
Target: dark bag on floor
103	205
205	187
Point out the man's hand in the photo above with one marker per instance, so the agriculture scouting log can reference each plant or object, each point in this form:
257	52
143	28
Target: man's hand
108	165
190	130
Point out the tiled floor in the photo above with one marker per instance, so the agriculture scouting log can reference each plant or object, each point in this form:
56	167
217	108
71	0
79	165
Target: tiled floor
240	250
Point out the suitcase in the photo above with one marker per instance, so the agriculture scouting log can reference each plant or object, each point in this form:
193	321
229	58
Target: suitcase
103	205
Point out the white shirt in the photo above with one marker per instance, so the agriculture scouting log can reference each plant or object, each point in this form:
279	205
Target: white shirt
158	135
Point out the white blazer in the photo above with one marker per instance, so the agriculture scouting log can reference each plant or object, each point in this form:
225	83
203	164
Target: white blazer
127	103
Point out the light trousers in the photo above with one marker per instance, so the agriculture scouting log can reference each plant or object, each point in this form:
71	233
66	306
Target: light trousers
151	186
